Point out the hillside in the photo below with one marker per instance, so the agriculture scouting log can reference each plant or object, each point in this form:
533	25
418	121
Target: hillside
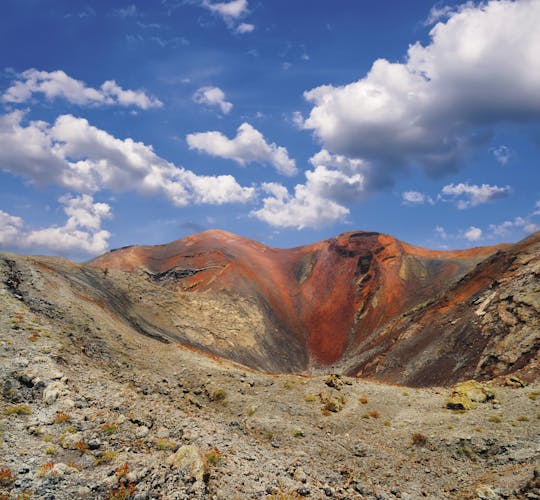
111	386
301	309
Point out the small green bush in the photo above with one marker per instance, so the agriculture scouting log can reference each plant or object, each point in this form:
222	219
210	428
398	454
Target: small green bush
18	410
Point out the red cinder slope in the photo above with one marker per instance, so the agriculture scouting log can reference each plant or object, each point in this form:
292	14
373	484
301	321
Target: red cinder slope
485	325
329	297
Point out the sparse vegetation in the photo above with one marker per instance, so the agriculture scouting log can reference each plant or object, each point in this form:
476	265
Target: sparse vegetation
81	446
299	433
331	403
219	395
123	492
495	419
106	457
213	457
6	477
20	409
292	382
533	395
122	471
45	469
468	452
109	428
35	336
374	414
309	398
522	418
363	400
165	444
62	418
73	465
419	439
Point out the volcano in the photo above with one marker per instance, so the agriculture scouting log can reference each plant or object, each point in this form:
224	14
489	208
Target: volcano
342	303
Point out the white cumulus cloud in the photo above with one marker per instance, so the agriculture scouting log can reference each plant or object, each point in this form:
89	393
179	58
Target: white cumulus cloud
80	157
82	232
228	10
303	209
480	68
505	229
334	181
57	84
231	12
470	195
213	96
249	146
243	28
413	198
473	234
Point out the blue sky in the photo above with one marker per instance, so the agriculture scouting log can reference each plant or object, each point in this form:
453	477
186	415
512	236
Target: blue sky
283	121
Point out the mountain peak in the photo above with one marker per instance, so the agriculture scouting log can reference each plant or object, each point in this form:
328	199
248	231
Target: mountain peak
339	304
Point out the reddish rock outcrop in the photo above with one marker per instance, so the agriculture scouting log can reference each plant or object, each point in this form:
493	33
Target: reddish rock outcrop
332	299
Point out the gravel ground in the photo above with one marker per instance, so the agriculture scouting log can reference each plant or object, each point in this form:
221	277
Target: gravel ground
90	408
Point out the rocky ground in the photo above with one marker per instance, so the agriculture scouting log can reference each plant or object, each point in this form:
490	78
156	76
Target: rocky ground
90	408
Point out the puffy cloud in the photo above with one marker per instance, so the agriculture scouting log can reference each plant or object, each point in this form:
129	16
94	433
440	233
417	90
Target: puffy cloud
334	185
10	228
76	155
212	96
480	68
336	177
29	151
463	194
57	84
231	12
248	146
335	180
227	10
343	163
413	198
243	28
304	209
505	228
472	195
82	231
473	234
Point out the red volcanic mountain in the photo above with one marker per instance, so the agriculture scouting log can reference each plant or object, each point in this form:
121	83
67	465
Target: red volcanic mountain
338	303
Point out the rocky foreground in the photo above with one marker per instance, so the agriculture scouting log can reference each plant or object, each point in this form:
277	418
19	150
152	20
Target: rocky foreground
91	408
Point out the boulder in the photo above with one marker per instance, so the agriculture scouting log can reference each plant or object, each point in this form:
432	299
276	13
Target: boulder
465	394
190	460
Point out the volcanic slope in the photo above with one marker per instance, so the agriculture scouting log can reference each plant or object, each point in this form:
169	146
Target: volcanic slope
484	326
311	308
